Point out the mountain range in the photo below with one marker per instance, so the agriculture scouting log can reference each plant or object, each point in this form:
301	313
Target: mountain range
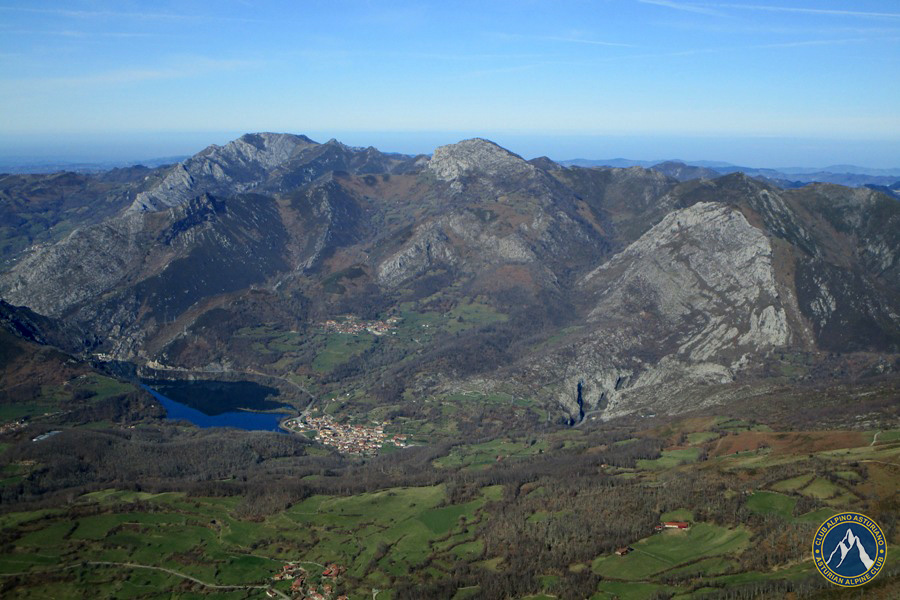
790	177
592	291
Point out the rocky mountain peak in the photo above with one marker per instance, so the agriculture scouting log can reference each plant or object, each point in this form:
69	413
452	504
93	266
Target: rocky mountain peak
271	149
236	167
476	156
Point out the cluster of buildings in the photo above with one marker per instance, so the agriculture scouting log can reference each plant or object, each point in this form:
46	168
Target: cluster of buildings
303	588
350	324
350	439
13	426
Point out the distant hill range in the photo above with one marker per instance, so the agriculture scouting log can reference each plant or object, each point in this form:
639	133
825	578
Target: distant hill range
38	166
588	291
849	175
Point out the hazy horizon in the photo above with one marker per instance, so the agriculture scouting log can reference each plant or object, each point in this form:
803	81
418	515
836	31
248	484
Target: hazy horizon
762	152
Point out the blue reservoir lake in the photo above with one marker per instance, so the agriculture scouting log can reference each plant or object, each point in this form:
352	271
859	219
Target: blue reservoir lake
239	419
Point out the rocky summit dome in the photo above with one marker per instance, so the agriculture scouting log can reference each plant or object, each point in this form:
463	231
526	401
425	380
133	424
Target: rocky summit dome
476	155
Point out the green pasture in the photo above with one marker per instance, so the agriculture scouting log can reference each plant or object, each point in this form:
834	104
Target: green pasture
468	316
670	459
702	437
794	571
407	520
611	590
817	516
848	475
681	514
885	437
339	348
203	538
793	484
772	503
886	452
670	549
103	387
418	325
13	411
465	593
706	567
821	489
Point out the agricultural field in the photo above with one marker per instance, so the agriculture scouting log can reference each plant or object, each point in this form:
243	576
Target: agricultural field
339	348
124	541
886	437
671	549
467	512
670	459
772	503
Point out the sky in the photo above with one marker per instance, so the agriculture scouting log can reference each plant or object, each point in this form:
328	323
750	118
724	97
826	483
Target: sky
752	82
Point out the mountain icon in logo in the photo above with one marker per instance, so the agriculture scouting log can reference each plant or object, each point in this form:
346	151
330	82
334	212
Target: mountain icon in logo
845	546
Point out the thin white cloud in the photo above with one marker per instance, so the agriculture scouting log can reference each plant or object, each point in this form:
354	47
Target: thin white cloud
184	67
743	26
800	44
725	49
711	9
561	38
106	14
465	57
810	11
572	40
73	33
693	8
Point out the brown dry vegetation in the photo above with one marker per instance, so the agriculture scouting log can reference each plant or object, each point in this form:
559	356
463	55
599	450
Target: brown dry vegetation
789	442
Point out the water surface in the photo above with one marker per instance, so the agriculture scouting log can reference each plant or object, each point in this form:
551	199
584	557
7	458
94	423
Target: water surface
239	419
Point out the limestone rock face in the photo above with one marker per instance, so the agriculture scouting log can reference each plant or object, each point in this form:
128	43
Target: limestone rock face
428	248
83	266
477	156
678	307
237	167
706	257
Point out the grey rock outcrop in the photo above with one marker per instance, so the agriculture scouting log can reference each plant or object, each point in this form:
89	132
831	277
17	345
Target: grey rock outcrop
477	156
681	306
88	263
428	248
237	167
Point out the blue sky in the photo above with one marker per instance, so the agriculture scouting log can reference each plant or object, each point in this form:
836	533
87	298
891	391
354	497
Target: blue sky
757	82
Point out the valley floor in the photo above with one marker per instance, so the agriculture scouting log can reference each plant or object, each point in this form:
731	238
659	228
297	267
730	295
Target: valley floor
512	517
